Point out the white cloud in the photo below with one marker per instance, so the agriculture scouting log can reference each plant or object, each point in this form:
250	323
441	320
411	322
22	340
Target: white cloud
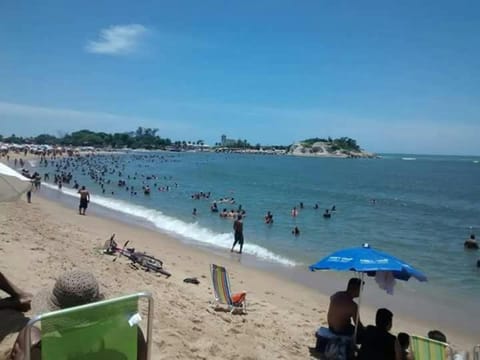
26	120
118	40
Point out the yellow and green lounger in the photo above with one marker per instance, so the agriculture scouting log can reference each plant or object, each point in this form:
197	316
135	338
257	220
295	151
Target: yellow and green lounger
428	349
107	329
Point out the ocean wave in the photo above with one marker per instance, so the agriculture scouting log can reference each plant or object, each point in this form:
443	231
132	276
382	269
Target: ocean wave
177	227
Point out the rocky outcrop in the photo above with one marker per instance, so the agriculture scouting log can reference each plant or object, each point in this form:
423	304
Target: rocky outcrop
326	149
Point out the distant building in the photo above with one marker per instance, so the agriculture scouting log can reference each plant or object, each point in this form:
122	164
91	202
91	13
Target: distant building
227	142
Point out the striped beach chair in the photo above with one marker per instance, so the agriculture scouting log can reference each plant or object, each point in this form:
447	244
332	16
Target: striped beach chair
476	352
428	349
221	290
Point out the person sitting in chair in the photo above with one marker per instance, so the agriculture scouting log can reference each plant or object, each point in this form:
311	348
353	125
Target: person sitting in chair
377	342
342	311
71	289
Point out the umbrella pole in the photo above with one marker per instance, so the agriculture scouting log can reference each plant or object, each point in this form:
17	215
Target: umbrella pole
357	318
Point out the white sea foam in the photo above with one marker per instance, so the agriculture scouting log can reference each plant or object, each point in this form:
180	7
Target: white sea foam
177	227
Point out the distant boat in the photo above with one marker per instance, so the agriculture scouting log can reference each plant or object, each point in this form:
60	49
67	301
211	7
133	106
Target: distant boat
409	158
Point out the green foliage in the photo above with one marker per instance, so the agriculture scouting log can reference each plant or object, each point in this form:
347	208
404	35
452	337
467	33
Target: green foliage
346	143
343	143
46	139
145	138
310	142
13	139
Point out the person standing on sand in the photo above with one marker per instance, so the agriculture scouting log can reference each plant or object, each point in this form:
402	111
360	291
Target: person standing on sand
84	200
238	233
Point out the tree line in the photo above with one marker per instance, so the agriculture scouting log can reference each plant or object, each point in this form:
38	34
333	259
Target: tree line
148	138
144	138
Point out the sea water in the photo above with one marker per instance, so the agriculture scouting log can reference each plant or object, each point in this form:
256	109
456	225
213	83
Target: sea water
418	208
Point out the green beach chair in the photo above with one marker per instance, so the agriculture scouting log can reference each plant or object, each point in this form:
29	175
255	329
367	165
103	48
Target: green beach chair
428	349
105	329
221	290
476	352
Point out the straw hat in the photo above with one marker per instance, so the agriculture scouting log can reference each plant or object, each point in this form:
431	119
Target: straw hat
73	288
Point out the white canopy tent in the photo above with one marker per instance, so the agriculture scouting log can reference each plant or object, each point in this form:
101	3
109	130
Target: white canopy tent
12	184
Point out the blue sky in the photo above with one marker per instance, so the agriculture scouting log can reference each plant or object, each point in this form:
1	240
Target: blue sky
398	76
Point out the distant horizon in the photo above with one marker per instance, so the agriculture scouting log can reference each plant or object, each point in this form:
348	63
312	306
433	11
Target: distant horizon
380	153
399	77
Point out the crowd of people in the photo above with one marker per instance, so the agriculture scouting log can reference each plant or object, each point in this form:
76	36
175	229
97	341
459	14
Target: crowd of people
374	341
371	342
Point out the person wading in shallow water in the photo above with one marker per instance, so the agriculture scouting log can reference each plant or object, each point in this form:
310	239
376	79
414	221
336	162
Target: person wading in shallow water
238	233
84	200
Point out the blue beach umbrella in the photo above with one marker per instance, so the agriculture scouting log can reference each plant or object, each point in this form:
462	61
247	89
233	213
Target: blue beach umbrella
366	260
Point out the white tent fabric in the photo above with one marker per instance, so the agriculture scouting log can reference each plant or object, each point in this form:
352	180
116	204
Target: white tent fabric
12	184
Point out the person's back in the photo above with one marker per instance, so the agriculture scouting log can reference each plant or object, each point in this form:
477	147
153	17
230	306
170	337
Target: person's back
377	344
404	341
238	225
343	310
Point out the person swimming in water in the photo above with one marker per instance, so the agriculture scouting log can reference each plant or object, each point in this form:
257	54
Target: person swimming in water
269	218
294	211
327	214
471	243
296	231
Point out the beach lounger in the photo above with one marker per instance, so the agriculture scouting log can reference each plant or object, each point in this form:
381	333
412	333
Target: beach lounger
221	289
428	349
105	329
476	352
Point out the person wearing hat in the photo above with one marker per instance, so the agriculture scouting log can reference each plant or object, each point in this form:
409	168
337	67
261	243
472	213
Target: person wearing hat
71	289
342	310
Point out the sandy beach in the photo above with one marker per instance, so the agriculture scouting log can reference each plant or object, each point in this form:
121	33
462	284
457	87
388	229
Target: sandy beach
39	241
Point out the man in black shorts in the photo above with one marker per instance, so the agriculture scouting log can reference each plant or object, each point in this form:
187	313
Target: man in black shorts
84	200
238	233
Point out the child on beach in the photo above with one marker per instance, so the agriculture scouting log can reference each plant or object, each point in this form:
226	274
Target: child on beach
404	341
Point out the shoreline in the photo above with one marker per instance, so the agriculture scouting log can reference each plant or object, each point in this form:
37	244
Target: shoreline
448	315
270	293
289	303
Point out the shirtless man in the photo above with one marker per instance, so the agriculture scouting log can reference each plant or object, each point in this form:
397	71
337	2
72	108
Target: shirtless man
342	311
238	233
84	200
